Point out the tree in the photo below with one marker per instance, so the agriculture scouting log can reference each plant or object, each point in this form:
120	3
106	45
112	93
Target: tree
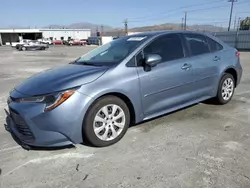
245	24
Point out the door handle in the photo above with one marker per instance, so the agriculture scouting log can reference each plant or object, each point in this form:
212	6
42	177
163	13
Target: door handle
186	66
216	58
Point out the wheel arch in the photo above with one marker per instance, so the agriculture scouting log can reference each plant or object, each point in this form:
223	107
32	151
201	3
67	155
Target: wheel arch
233	72
125	99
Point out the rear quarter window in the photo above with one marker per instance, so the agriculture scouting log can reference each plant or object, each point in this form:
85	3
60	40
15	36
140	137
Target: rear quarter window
214	46
198	44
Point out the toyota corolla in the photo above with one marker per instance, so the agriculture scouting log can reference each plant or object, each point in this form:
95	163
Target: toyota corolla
131	79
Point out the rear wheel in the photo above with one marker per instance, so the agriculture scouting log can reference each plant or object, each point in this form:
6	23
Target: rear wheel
23	48
106	121
226	89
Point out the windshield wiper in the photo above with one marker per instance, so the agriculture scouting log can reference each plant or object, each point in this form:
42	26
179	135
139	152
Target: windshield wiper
88	63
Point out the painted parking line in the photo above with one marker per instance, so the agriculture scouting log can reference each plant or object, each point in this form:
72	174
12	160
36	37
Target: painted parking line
10	148
44	159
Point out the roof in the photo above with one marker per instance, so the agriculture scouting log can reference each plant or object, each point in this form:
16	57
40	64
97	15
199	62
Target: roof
37	30
47	29
20	31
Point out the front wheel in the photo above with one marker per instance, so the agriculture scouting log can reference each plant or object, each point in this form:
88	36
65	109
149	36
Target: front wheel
23	48
106	121
226	89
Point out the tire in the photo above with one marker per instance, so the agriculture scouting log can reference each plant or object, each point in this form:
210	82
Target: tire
221	98
106	125
23	48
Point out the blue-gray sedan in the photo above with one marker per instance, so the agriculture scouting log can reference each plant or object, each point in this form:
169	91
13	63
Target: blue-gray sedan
129	80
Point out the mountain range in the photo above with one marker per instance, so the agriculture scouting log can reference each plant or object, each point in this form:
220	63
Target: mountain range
166	26
108	29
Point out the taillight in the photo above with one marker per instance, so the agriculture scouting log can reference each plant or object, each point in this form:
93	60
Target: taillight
237	54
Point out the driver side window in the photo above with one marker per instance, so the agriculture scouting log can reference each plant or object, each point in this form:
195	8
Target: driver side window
169	47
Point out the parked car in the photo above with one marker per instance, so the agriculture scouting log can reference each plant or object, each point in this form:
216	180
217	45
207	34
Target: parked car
57	42
77	42
45	40
15	44
33	45
129	80
22	43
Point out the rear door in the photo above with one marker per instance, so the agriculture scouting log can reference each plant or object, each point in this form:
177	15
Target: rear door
204	62
169	84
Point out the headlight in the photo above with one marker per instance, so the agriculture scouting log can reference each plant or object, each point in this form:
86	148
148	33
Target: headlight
51	100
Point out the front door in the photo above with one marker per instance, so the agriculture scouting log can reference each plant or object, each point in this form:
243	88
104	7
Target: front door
169	84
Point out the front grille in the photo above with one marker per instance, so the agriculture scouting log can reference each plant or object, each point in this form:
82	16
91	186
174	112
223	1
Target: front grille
21	124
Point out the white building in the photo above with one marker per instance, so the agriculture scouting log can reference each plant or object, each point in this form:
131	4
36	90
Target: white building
15	35
65	34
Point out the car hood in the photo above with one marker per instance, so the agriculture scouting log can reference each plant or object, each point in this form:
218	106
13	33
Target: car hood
59	79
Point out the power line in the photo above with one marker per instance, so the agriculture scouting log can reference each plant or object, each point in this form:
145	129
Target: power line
177	9
206	19
174	11
173	14
190	11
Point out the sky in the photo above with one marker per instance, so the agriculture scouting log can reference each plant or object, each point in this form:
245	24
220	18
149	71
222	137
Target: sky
34	13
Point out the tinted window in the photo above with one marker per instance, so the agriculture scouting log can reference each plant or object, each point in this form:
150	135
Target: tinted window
198	44
214	46
169	47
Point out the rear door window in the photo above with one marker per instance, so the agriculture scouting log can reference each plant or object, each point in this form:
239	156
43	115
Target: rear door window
198	44
169	47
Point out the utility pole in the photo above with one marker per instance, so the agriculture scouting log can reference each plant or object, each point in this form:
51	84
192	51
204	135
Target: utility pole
235	22
185	22
102	30
238	26
126	26
182	23
231	12
97	30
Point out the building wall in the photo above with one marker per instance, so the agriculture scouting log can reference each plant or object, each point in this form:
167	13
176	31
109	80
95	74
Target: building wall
12	35
73	34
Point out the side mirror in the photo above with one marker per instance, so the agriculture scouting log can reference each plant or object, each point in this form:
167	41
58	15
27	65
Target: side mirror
152	60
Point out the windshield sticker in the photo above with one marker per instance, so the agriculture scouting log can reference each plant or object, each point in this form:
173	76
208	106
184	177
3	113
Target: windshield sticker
136	38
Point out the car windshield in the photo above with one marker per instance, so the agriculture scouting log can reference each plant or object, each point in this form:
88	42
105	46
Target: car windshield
112	52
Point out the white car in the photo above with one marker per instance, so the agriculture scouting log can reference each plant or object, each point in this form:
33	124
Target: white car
24	41
47	41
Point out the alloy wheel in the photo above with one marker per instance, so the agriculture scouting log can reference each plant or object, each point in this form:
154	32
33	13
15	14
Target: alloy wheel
227	89
109	122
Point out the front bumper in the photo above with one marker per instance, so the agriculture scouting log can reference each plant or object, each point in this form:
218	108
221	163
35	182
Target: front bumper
59	127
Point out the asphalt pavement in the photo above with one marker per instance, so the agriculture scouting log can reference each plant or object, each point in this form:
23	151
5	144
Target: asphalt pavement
201	146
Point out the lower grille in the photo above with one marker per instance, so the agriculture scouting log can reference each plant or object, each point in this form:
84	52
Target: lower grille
21	124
